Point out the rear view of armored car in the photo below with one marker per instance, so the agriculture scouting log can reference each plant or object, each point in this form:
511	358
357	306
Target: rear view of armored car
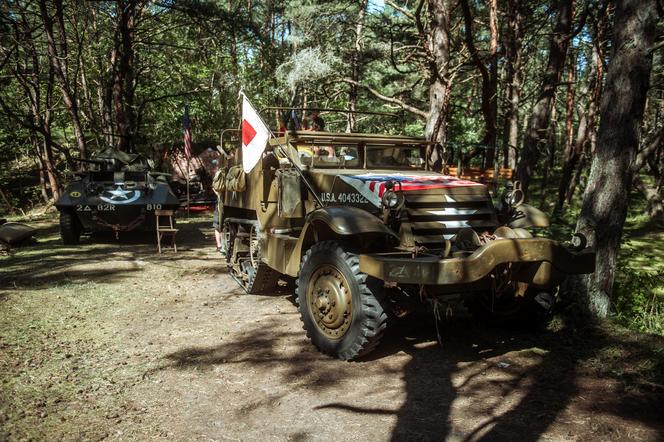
119	193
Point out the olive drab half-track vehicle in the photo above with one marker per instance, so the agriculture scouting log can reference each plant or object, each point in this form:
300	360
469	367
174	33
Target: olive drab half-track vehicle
119	192
364	230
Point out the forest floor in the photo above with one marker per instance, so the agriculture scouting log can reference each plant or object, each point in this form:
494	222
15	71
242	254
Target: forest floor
109	340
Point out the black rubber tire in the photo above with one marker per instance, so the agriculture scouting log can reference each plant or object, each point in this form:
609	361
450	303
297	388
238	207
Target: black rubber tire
70	229
524	313
369	318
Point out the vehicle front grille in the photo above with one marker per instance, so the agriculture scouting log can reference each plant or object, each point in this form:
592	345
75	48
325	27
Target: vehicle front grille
432	217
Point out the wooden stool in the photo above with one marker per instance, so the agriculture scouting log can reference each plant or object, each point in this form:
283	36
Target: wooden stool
165	228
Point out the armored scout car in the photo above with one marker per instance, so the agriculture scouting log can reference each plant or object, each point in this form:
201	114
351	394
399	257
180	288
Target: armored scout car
119	194
366	231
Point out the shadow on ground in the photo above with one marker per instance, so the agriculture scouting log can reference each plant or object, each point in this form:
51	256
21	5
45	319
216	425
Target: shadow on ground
564	371
101	257
482	383
511	385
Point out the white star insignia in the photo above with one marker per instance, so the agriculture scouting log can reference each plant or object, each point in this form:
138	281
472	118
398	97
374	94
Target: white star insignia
119	193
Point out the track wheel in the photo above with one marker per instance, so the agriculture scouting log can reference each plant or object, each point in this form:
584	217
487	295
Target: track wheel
261	278
339	305
228	231
70	229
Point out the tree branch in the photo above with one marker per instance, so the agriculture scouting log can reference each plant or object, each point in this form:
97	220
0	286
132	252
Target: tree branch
468	20
393	100
642	156
164	97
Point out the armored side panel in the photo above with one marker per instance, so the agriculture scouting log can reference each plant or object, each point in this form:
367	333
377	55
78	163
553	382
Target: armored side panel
258	198
291	195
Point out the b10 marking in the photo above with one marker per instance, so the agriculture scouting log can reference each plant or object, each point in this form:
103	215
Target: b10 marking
154	207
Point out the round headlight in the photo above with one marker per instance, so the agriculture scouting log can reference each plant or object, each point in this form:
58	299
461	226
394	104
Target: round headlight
390	199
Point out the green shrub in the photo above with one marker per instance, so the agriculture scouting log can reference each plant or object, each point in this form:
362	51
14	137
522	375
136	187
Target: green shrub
639	300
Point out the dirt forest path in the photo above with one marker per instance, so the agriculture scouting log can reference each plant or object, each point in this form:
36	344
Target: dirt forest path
109	341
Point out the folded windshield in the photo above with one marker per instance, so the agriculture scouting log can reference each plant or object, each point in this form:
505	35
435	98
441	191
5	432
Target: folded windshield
389	157
352	157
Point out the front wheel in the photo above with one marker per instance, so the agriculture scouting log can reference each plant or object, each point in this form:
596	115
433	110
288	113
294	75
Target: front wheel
339	305
70	229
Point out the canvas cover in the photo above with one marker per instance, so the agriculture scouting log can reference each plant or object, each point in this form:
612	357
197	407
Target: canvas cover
14	233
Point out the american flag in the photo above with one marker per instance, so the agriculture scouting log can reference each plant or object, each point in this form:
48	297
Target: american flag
372	186
187	133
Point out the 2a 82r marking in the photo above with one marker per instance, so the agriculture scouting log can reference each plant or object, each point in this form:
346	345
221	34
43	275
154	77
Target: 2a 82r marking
98	208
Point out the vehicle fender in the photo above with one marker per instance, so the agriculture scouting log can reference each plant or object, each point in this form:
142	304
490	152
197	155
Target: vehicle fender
340	221
348	221
66	197
525	216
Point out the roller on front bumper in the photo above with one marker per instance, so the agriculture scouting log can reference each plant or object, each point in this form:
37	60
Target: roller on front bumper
539	261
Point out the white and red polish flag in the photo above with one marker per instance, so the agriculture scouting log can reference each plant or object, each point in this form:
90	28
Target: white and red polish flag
254	136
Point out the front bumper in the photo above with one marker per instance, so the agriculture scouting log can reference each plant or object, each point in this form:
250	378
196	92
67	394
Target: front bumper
539	261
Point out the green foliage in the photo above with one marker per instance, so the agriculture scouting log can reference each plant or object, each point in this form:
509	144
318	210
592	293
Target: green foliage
639	300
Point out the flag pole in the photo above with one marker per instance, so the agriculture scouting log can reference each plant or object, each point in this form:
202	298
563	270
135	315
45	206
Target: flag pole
187	151
188	173
282	150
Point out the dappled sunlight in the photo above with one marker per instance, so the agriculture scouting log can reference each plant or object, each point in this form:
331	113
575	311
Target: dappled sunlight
102	258
645	251
422	171
171	345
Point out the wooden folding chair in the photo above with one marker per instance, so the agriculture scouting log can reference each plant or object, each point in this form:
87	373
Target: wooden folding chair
166	228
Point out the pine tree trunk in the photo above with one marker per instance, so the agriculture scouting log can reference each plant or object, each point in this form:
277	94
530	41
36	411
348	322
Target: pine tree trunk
489	79
513	66
551	147
103	82
123	82
569	109
654	208
356	66
587	117
605	198
538	121
492	129
43	181
574	160
57	54
438	48
51	173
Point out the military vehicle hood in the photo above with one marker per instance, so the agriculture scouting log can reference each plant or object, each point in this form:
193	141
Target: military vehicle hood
372	185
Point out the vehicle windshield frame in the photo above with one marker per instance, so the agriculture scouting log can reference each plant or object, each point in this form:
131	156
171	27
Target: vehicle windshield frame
363	157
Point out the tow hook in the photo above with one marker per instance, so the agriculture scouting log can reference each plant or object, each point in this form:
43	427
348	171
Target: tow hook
578	242
545	300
